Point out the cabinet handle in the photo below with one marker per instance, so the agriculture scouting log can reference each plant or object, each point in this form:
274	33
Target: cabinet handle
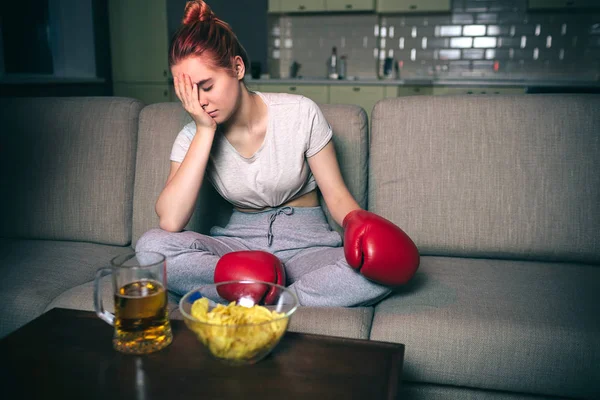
356	89
301	7
165	73
349	6
165	93
293	88
412	7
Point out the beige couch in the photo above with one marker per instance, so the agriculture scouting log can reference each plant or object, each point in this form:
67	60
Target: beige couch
500	193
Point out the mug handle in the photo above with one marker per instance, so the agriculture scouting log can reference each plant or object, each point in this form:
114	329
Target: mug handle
100	311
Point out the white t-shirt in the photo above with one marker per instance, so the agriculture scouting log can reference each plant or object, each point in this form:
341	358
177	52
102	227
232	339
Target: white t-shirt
278	172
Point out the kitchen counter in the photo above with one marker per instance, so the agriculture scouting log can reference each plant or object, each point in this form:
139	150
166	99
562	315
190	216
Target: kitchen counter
429	82
49	79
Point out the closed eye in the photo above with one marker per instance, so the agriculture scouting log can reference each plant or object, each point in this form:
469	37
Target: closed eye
206	89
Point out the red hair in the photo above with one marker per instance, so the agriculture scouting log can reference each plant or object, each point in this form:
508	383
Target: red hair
201	33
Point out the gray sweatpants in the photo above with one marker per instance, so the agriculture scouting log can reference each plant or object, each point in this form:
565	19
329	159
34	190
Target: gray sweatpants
300	237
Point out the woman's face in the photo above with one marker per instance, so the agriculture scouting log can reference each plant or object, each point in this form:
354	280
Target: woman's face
218	89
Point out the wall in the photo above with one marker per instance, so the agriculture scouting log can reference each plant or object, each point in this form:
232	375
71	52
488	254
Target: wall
495	39
247	18
71	42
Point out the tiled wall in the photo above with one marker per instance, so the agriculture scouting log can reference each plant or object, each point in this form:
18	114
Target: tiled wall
490	39
308	40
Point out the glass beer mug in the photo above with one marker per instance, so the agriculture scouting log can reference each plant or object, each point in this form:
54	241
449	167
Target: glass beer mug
141	319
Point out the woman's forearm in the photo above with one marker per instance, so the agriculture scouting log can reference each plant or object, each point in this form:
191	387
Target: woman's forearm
177	201
341	205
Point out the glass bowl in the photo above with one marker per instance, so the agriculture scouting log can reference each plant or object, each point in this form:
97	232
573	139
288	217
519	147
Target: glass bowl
239	322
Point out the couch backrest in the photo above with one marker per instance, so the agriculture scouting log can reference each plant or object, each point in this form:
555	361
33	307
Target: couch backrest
160	124
67	168
502	176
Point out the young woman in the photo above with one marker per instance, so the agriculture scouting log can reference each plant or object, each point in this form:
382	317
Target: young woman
267	154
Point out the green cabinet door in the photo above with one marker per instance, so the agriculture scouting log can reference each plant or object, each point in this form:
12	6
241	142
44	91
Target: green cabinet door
390	91
349	5
274	6
317	93
443	90
291	6
364	96
138	40
546	4
252	86
391	6
415	90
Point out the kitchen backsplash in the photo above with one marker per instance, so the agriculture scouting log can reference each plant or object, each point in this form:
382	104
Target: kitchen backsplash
489	39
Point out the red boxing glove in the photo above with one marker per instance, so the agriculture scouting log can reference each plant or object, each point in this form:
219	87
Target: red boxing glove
379	249
254	265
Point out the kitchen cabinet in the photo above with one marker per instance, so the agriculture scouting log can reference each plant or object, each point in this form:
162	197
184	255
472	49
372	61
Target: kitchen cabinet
443	90
350	5
291	6
317	93
397	6
148	93
548	4
253	86
139	48
415	90
364	96
138	41
390	91
274	6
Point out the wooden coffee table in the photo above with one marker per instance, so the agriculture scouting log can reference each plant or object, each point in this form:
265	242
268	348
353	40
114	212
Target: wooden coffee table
68	354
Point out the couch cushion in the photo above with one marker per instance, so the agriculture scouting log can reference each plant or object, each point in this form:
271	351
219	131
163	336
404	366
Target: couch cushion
490	176
160	124
416	391
36	271
518	326
68	163
354	323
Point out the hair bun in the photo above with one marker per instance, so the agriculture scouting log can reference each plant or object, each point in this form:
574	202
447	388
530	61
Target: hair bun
197	11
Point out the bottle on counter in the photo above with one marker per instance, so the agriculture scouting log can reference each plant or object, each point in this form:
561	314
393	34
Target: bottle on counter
332	64
342	67
388	68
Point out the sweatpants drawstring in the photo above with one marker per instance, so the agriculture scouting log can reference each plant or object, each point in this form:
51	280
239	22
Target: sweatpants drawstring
284	210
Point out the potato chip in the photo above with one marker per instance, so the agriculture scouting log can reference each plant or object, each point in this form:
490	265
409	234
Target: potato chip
237	332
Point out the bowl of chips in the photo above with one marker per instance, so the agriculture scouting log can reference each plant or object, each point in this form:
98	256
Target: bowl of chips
239	322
